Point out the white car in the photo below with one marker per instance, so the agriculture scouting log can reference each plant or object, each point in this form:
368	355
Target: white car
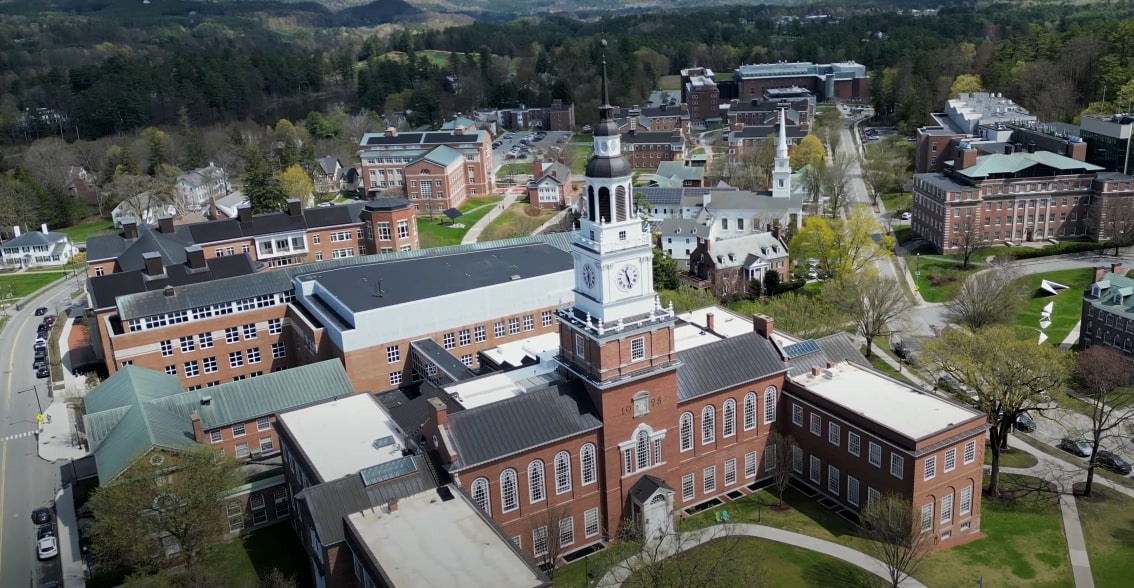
906	216
47	548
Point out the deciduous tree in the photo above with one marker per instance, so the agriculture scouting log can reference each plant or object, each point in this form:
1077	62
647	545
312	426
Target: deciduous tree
877	174
163	498
967	235
1114	220
844	245
296	183
986	298
1107	377
1006	377
967	83
873	302
896	536
781	461
665	271
809	151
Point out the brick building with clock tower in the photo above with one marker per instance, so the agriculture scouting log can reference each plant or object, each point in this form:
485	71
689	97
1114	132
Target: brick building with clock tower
634	426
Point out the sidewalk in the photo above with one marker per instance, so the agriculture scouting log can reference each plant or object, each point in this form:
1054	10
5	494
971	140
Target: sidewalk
474	232
70	556
59	435
692	539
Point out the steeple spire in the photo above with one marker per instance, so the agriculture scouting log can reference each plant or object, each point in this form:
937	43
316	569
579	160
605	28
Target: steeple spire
604	108
781	142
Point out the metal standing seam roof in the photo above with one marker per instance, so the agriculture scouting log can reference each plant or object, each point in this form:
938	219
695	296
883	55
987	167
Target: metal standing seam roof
278	280
138	409
1003	163
727	363
514	425
329	503
440	357
442	155
836	348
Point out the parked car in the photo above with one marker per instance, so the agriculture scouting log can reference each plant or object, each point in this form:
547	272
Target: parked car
47	548
1077	447
1112	462
949	384
1025	423
41	311
41	353
906	216
45	531
39	363
43	372
41	516
49	320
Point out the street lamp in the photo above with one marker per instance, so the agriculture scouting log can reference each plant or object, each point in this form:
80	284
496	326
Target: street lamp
35	390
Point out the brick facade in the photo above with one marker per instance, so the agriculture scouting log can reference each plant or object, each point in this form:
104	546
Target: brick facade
385	159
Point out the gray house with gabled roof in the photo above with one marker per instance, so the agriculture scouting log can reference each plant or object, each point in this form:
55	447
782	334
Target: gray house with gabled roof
38	249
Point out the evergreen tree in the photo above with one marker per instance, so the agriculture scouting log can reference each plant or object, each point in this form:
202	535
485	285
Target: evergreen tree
261	184
195	155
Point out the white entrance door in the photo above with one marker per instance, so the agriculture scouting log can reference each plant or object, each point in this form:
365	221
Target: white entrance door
656	519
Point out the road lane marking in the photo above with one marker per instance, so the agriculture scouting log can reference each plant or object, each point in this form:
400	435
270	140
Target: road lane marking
18	436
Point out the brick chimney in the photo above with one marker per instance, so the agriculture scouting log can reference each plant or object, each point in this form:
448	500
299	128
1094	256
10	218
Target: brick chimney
198	430
815	370
709	322
1116	268
441	421
763	324
391	131
537	170
459	130
1077	150
153	263
195	256
165	224
294	207
1099	273
966	158
213	213
392	506
776	233
129	230
244	214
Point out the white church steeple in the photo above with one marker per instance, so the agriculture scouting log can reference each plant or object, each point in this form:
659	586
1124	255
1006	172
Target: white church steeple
781	173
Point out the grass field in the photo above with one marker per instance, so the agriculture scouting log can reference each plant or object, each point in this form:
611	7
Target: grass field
1108	526
895	202
516	221
514	169
247	561
941	276
1012	458
22	284
1067	304
669	83
440	232
81	231
577	156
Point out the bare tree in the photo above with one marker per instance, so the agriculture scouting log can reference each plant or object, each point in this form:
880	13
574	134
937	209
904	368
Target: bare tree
1001	375
547	523
987	298
897	535
872	301
783	449
967	235
692	555
1107	376
749	169
48	161
876	174
1114	221
836	186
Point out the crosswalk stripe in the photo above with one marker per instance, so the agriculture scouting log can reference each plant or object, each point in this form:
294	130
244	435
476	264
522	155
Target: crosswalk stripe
19	435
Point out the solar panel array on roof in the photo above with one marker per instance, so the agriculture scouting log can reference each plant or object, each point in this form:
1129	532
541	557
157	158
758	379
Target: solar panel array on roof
381	442
800	349
388	471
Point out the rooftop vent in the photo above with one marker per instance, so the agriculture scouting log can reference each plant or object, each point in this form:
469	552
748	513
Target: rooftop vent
514	277
206	400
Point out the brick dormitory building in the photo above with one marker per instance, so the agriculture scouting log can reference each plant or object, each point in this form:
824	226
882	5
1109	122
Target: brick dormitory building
610	408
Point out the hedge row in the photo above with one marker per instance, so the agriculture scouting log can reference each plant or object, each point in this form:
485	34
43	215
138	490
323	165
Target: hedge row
1060	249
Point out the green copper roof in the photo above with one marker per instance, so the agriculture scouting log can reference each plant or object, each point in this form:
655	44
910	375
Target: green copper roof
1003	163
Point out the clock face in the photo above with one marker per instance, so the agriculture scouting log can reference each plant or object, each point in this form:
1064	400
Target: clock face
589	276
627	277
600	146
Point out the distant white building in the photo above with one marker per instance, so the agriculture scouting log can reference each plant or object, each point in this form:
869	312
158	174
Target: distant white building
194	188
144	208
44	248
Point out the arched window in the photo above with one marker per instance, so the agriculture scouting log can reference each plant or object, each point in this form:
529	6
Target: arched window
750	411
587	466
769	404
728	416
536	485
509	493
642	447
621	203
480	498
708	425
256	501
424	172
686	429
591	203
562	472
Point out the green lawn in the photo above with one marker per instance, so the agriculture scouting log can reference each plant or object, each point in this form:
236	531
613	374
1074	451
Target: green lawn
80	232
577	156
669	82
248	560
896	203
941	276
1012	458
22	284
1067	304
882	346
514	169
440	232
516	221
1108	526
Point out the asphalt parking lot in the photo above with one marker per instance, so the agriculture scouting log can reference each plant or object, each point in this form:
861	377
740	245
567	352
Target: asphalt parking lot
536	148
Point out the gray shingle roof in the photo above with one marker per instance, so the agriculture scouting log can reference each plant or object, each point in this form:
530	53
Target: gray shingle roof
835	348
726	364
106	289
130	251
275	222
331	502
34	238
278	280
682	227
537	417
138	409
646	486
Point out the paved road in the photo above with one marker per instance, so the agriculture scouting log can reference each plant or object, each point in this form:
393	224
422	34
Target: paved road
26	481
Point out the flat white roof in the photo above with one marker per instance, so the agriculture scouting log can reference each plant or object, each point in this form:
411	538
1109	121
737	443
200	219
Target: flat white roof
896	406
688	336
428	541
513	353
725	322
503	385
344	436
